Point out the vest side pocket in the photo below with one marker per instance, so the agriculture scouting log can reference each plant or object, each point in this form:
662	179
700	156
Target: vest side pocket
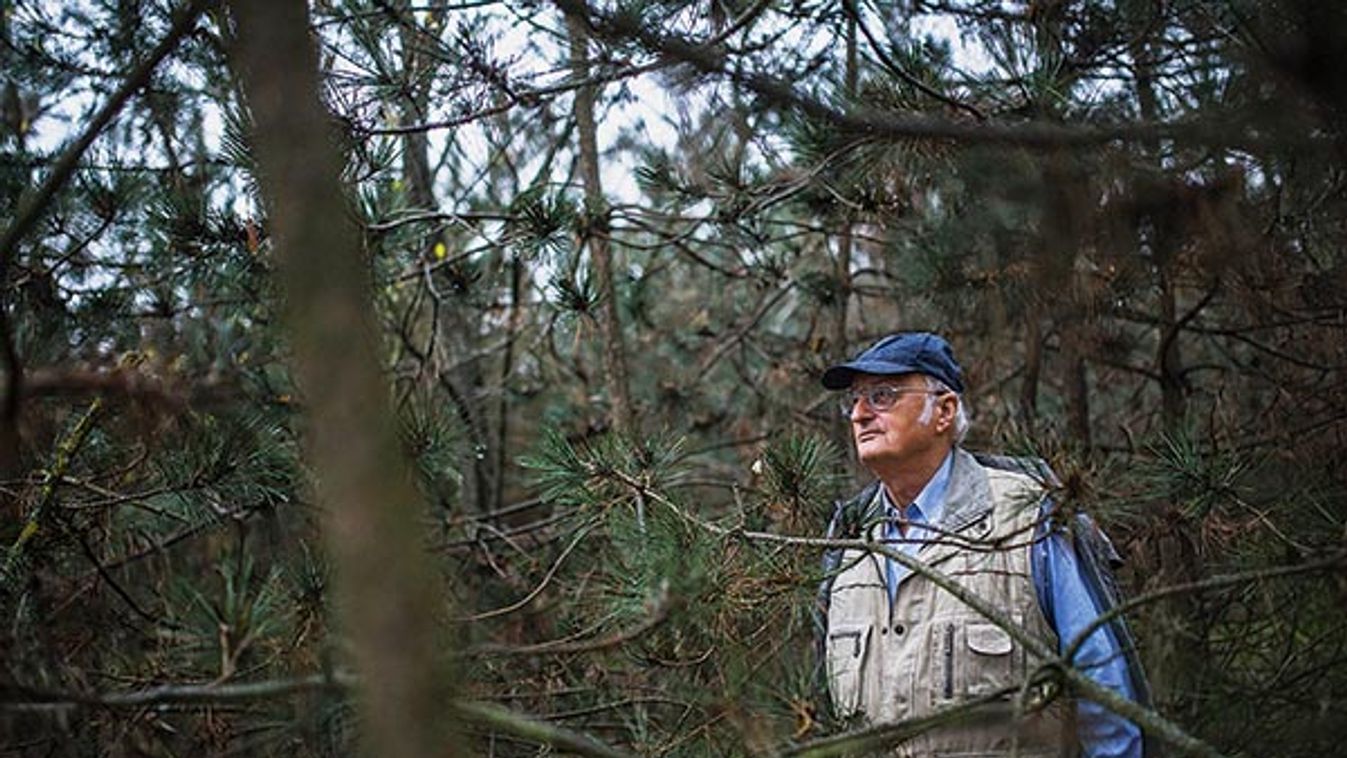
848	651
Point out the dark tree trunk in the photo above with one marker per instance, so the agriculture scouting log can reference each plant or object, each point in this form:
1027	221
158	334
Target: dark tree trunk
596	237
386	586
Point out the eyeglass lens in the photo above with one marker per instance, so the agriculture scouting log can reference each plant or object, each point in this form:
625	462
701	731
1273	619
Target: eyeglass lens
880	398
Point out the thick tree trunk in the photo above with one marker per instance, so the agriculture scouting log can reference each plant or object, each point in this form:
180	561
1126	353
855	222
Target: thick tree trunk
1033	368
387	589
845	246
1174	661
600	251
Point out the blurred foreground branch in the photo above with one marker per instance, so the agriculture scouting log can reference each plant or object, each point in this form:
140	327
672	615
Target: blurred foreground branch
493	717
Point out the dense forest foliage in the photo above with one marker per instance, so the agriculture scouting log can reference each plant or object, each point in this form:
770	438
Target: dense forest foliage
393	376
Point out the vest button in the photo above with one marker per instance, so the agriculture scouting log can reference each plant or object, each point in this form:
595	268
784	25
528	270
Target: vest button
883	630
898	629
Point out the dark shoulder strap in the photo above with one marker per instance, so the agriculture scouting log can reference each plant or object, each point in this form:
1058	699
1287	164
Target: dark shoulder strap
1034	468
847	523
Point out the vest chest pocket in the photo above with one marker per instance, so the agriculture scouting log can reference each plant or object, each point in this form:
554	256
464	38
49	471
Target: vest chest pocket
971	658
848	651
991	659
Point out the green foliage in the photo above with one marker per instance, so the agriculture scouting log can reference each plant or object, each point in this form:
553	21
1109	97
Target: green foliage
542	224
602	472
237	625
800	480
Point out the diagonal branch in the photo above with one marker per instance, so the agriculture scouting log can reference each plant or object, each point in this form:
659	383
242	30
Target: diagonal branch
888	736
851	9
1081	683
658	615
1334	561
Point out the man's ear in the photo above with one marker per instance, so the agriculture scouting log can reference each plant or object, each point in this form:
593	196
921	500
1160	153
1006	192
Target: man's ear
949	408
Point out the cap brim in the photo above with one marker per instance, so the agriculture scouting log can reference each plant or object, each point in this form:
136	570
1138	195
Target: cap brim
841	376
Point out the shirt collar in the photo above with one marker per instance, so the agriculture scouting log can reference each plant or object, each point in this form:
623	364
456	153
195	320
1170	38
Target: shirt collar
929	506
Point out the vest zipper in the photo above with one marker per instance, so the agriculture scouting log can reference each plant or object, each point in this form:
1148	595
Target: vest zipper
949	661
891	596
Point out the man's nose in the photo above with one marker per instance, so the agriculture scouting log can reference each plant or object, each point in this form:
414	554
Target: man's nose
861	410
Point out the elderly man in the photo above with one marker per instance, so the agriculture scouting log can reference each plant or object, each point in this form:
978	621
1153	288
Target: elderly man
896	646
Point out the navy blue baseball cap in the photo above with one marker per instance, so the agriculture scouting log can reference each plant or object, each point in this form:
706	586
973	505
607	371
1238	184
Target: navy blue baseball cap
902	353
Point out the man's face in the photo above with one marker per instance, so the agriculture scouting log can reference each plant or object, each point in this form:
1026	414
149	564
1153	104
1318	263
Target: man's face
899	435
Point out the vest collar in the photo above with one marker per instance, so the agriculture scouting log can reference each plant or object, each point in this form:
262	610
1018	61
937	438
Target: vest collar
968	498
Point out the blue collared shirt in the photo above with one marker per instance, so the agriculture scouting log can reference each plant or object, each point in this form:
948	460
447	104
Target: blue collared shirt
1067	603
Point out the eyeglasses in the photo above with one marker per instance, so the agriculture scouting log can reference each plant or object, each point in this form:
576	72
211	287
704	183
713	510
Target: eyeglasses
881	397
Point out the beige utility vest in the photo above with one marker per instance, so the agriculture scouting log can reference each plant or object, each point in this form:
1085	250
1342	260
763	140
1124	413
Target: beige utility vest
927	651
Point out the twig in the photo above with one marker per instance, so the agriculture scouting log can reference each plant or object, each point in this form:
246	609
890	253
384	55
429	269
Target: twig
849	6
515	724
65	451
871	739
658	615
12	694
710	361
580	535
1336	560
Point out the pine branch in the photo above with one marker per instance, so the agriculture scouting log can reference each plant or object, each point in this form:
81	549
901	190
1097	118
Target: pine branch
851	9
1330	562
535	98
65	451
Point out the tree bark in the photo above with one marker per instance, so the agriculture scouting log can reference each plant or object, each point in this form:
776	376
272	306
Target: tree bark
1168	358
845	244
386	586
596	237
1173	662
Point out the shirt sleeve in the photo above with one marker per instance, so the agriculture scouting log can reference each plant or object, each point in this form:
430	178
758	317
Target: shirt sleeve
1070	607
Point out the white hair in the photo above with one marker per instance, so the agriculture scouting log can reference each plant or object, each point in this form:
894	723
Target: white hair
936	388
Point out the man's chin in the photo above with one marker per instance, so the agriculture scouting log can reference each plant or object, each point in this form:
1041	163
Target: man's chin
869	457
